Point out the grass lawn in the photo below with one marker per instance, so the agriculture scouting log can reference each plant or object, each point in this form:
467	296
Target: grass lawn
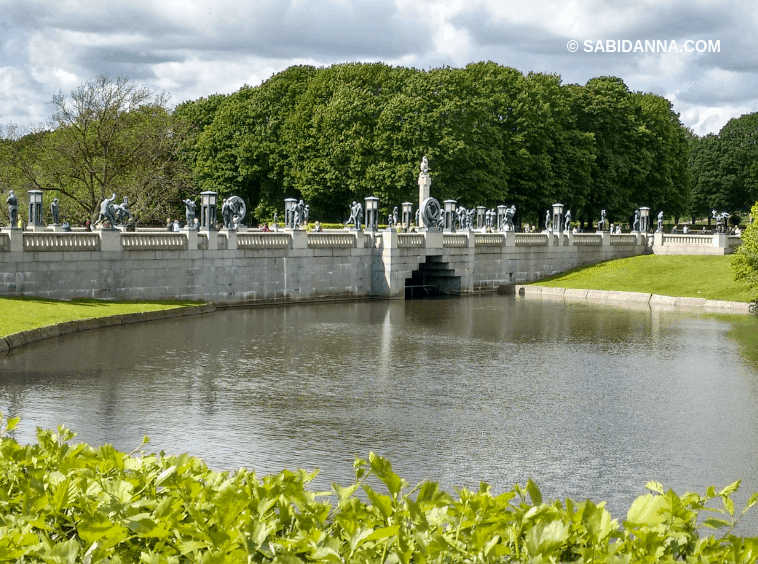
22	314
678	275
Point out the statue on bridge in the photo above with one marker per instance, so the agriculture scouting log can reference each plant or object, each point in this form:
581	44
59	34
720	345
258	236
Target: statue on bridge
548	223
12	202
233	211
356	215
567	223
636	224
660	222
54	211
106	213
189	211
602	225
507	224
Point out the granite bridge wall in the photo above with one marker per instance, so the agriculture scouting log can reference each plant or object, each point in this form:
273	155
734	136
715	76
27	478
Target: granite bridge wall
249	267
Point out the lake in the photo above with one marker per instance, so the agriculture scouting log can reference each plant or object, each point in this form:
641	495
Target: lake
587	399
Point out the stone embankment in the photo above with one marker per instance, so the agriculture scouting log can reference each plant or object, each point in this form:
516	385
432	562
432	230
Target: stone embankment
25	337
652	300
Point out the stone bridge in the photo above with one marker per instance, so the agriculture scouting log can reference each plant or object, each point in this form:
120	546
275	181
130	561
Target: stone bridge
240	267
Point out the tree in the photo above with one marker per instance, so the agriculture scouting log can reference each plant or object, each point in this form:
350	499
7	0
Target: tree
744	262
106	137
666	184
739	161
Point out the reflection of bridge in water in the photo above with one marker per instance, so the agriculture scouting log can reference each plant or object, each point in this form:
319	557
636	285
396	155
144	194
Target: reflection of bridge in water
251	266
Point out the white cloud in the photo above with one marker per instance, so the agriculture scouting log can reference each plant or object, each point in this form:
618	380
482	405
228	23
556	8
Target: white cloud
200	47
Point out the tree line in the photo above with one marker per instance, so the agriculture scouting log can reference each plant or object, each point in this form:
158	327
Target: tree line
492	134
724	168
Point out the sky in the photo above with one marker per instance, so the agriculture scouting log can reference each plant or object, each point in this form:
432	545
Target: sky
196	48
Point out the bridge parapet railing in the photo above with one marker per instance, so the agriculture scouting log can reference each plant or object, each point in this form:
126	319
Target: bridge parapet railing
489	239
331	240
5	243
734	241
45	241
410	240
531	239
689	239
587	239
624	239
452	240
255	241
222	242
141	241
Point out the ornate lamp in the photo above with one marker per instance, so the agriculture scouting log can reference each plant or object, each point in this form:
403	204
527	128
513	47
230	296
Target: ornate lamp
557	217
480	215
407	215
449	224
208	210
289	203
644	220
35	208
500	217
372	212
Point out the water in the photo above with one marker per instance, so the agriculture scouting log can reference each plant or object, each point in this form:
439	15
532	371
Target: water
588	400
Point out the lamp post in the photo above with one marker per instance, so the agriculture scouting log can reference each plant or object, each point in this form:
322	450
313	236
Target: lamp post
644	219
480	215
289	204
501	217
449	224
208	210
557	217
407	215
35	209
372	212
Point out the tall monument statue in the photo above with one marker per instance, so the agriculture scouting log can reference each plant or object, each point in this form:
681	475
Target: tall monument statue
424	182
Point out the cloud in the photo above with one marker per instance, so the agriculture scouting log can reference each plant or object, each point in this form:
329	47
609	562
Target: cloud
194	48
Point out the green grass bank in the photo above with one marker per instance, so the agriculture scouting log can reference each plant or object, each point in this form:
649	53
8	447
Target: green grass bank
706	277
24	314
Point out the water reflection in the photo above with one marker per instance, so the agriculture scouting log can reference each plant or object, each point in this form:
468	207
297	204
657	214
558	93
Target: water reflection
589	400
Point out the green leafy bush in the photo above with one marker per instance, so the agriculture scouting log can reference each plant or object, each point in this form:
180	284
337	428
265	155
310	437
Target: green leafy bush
66	503
744	261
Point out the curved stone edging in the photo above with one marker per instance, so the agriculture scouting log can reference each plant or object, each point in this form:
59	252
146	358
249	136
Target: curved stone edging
653	300
33	335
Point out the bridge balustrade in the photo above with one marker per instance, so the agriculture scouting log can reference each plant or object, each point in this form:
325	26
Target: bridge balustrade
41	242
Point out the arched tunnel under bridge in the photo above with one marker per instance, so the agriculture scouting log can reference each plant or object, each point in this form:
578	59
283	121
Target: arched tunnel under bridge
433	278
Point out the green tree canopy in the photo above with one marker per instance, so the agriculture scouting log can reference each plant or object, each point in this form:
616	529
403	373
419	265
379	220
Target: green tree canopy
744	261
106	137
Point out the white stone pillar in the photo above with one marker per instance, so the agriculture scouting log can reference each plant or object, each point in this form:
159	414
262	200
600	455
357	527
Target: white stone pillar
191	235
424	187
300	238
110	240
231	240
16	240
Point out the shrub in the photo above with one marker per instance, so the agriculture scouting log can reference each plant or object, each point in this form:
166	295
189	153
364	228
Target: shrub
75	503
744	262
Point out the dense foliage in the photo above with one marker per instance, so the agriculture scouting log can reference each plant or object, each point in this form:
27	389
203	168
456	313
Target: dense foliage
108	136
725	168
744	261
66	503
492	136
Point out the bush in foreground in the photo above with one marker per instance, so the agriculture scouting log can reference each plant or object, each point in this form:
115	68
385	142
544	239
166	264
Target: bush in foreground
68	503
